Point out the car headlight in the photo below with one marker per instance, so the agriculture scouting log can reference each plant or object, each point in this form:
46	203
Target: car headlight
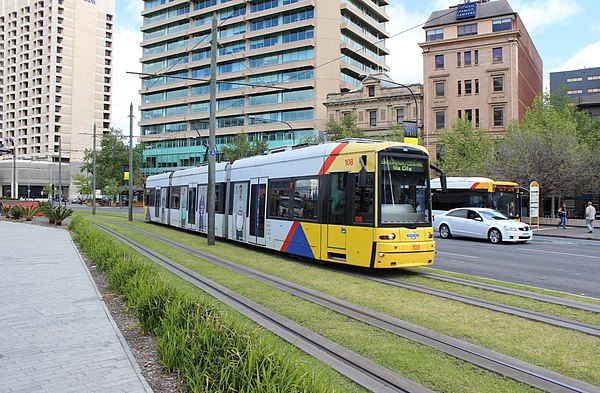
510	228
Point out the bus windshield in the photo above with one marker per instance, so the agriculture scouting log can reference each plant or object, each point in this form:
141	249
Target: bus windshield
404	191
505	202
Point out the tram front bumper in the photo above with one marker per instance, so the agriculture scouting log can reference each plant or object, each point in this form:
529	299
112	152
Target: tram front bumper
404	254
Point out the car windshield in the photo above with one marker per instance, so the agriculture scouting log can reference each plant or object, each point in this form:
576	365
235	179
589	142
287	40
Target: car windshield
404	190
492	215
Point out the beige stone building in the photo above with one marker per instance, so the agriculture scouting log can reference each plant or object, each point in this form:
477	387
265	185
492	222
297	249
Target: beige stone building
480	63
55	84
277	61
379	105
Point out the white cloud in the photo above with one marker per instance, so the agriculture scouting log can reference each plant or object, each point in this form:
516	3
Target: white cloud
538	15
589	56
126	58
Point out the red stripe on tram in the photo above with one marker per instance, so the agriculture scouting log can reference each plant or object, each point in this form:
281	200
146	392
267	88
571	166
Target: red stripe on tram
289	236
329	161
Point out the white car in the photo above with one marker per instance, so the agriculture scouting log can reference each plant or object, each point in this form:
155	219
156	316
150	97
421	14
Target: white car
481	223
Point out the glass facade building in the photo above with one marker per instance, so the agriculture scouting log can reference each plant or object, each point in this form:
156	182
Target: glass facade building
277	61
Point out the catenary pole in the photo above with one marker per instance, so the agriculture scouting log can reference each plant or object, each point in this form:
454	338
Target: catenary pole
210	199
94	172
130	198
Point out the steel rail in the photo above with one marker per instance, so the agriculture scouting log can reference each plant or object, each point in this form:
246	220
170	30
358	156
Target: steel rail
517	292
514	368
350	364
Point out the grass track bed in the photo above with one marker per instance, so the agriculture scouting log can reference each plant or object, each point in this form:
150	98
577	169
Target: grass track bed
424	310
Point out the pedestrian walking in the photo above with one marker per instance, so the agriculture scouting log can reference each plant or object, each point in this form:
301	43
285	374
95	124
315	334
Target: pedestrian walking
590	216
1	210
562	215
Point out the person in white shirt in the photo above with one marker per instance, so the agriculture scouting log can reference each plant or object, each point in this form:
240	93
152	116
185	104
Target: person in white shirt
590	216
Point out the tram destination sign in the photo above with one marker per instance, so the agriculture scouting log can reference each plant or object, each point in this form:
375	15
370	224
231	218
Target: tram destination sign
403	164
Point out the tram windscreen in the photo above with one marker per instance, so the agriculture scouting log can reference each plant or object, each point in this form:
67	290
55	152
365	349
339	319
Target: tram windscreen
506	201
404	191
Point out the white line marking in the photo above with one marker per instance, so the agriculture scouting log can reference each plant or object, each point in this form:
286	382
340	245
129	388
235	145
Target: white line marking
560	253
458	255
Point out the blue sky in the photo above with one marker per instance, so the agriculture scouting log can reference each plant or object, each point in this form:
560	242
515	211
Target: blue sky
565	32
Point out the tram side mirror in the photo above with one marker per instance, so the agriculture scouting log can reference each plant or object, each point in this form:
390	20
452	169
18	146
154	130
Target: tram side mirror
443	183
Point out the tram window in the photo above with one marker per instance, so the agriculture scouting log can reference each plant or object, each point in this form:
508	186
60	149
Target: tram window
364	201
279	197
337	198
149	197
175	197
306	195
219	199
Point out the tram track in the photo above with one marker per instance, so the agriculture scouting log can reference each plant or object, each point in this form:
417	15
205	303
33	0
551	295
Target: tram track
359	369
582	327
516	292
516	369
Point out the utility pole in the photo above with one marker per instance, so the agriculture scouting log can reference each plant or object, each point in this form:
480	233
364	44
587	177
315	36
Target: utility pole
59	166
130	204
94	172
15	192
210	198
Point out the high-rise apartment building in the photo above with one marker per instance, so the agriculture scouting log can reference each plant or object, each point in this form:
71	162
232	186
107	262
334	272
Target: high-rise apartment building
480	63
277	61
55	83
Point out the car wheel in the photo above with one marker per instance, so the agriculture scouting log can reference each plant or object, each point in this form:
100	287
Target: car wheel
494	236
445	231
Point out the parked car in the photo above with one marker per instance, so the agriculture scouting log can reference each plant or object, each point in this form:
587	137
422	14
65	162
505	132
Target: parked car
481	223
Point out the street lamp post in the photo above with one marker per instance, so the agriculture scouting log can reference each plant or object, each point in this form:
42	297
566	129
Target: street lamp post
362	77
254	118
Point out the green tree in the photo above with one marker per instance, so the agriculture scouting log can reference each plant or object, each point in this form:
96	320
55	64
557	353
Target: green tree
111	159
546	147
47	190
466	151
83	184
241	148
113	188
345	128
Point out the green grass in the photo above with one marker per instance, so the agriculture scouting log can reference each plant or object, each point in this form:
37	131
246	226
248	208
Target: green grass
570	353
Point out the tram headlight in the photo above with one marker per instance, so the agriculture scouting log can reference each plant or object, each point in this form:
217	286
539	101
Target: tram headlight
391	236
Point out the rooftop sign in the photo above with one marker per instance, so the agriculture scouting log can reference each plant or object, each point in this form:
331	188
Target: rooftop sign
466	10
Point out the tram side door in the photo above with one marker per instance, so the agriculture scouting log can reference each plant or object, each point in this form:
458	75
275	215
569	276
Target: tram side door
164	194
258	208
192	204
336	210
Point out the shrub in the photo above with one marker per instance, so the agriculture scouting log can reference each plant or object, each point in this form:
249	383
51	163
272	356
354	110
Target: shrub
48	211
16	212
30	211
61	213
5	211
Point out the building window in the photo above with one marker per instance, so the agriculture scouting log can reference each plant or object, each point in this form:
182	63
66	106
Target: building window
439	89
594	90
578	91
498	84
460	114
458	59
476	56
477	118
476	86
466	30
467	58
593	77
469	114
501	24
578	79
440	120
498	117
373	118
439	62
399	115
434	35
459	88
497	55
371	91
468	86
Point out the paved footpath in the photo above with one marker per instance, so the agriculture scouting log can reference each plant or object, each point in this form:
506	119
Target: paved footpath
56	334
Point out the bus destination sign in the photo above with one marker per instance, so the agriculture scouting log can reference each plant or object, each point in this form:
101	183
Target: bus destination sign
403	164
